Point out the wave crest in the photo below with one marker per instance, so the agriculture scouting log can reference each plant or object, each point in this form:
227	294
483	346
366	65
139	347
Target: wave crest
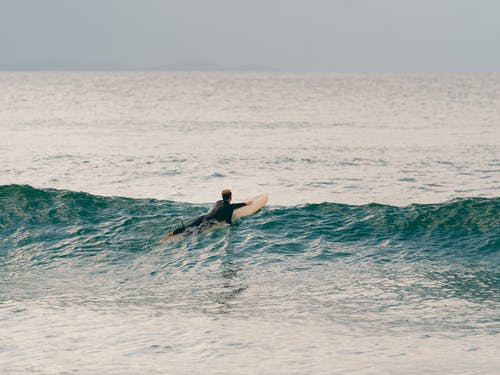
43	224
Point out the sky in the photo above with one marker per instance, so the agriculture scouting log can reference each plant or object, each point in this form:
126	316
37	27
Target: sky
308	35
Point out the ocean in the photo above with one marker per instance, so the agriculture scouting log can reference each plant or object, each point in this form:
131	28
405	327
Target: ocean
378	252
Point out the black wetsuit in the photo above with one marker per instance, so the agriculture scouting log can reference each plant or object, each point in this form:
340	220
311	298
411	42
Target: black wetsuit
222	211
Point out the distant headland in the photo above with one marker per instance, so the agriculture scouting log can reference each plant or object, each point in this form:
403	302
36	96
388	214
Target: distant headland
178	66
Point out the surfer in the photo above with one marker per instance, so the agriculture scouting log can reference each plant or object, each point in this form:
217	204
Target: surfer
221	212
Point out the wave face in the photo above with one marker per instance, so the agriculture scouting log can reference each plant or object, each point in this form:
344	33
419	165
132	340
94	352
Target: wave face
40	226
80	247
334	274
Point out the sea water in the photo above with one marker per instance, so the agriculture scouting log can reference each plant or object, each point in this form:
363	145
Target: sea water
378	251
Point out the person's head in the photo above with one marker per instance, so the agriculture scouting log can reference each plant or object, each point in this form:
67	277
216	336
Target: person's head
226	195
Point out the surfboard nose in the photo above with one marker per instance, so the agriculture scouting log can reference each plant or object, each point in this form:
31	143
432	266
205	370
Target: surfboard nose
258	202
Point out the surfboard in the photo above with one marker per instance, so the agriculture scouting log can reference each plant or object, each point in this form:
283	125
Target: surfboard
258	202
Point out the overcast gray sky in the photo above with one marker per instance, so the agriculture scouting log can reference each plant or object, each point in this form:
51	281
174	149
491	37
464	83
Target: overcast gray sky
332	35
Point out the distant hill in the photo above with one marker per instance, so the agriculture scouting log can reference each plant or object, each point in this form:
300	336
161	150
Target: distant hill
62	65
192	66
254	68
181	66
208	66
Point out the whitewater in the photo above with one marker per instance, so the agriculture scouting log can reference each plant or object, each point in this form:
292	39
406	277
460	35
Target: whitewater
378	251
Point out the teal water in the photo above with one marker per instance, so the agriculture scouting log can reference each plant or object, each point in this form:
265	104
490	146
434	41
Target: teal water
377	253
42	226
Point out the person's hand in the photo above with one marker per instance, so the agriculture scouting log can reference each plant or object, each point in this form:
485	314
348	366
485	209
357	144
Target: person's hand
171	234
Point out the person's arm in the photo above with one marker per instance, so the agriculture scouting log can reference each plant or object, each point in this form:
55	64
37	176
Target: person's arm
234	206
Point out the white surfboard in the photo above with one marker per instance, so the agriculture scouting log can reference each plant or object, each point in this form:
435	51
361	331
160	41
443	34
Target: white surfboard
258	202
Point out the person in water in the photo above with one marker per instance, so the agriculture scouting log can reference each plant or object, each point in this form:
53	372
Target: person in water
221	212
